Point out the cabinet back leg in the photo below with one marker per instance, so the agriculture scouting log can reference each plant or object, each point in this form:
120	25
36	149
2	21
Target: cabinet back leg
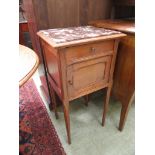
86	98
54	102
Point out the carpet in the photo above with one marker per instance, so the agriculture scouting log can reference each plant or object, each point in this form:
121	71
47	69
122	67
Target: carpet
37	135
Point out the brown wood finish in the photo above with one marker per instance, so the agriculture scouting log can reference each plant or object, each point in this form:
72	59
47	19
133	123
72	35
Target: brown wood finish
88	52
86	98
93	10
105	105
110	81
124	75
81	67
23	27
29	63
124	2
126	26
123	12
44	80
68	16
125	110
79	73
33	28
52	92
123	9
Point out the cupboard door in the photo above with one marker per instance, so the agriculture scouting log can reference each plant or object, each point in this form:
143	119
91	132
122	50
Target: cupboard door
87	76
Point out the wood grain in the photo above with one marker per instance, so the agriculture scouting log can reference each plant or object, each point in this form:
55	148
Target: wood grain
33	27
29	63
78	75
127	26
41	14
62	13
81	52
124	2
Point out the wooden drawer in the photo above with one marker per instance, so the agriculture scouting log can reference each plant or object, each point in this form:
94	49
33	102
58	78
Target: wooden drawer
89	51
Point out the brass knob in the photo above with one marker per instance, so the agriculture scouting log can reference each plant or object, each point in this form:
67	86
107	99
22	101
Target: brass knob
92	49
70	82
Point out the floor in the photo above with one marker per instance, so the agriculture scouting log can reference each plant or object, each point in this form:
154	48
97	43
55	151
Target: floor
87	134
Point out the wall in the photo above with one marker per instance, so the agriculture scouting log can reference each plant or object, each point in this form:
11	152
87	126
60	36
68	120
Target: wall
65	13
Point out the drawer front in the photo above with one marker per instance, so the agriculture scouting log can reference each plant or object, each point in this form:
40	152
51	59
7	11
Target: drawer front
89	51
88	76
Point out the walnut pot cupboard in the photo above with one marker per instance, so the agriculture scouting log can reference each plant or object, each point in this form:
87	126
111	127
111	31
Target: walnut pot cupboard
80	67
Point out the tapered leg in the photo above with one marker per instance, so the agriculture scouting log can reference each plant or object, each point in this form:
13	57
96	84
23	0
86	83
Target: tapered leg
123	116
54	102
67	120
86	98
105	106
124	112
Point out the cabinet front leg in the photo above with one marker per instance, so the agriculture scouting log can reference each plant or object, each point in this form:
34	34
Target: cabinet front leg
67	120
105	106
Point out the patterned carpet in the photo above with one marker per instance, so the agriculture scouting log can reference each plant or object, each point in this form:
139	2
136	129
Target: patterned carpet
37	135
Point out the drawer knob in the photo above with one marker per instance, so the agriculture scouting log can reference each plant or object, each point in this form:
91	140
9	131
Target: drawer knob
70	82
92	49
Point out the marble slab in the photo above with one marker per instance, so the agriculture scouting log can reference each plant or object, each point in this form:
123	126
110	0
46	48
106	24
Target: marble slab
63	35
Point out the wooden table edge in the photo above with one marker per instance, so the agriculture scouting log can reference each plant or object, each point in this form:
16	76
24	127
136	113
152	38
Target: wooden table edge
32	71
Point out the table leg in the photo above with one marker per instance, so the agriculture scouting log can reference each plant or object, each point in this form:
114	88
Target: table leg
67	120
124	112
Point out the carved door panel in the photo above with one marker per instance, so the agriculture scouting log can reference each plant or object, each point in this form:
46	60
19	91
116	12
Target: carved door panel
84	77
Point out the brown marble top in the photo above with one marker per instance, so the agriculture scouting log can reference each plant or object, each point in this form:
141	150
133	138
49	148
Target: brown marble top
63	35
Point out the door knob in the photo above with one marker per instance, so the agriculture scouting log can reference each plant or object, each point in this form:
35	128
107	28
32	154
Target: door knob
70	82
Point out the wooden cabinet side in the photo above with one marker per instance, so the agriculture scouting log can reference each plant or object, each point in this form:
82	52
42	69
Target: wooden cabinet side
124	74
